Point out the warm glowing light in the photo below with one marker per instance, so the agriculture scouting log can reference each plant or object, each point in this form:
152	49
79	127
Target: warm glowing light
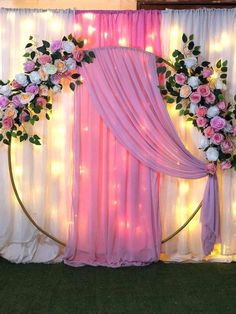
226	39
115	202
85	129
77	27
184	187
105	35
91	29
18	170
57	168
56	26
27	24
85	41
88	16
152	36
82	170
127	224
11	16
149	48
122	42
234	209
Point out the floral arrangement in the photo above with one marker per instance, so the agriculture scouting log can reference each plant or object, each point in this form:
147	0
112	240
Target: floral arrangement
28	97
198	91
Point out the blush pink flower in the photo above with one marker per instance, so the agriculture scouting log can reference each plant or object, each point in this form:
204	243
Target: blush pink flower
204	90
15	84
201	122
201	111
7	123
56	45
78	55
210	99
226	164
195	97
29	66
218	123
217	138
211	168
227	146
222	105
41	101
43	59
23	117
185	91
56	78
209	132
207	72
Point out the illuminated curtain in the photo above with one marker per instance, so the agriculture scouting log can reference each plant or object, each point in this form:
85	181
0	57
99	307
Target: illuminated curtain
42	173
215	31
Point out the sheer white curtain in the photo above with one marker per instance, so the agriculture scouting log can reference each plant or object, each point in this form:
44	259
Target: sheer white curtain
42	173
215	31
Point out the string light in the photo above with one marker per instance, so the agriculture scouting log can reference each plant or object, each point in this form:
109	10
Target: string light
149	49
77	28
122	42
88	16
91	29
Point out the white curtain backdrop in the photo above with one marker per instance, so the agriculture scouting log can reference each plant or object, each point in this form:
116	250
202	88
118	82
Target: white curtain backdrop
215	31
42	173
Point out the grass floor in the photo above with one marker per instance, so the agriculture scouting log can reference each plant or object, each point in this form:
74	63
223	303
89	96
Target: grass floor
158	288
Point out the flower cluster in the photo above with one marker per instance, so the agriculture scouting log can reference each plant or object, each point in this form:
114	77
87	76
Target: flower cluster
198	91
27	98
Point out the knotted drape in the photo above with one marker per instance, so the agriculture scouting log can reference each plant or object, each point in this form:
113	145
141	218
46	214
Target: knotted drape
122	84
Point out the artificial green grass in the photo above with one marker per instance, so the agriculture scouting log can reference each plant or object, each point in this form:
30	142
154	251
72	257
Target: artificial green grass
158	288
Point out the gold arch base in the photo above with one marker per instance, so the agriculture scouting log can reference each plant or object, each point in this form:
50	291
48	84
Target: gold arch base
26	212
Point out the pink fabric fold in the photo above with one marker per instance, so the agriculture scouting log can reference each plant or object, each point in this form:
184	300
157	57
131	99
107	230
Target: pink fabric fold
122	84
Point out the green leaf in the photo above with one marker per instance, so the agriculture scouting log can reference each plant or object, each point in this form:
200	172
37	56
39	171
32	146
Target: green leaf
178	106
64	38
32	55
205	63
70	37
5	141
224	69
168	74
75	76
170	100
221	97
196	52
175	53
191	45
234	97
19	133
42	49
181	112
31	37
161	69
223	76
49	106
47	116
29	45
81	44
31	139
184	38
25	136
91	54
224	64
72	86
26	55
159	60
1	137
35	117
13	134
191	37
78	82
218	64
46	44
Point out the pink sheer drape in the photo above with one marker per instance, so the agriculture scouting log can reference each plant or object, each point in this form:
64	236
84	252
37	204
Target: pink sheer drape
122	86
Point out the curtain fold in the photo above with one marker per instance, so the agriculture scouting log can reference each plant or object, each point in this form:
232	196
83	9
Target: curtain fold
122	85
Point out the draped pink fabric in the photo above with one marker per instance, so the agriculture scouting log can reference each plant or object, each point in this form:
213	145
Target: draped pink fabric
122	84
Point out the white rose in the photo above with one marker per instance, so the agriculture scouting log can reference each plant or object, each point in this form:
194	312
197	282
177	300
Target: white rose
193	81
68	46
193	107
56	89
49	68
212	154
204	142
213	111
220	84
228	128
190	62
71	64
35	77
5	90
21	78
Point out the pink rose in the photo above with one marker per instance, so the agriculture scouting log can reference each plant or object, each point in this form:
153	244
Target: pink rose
7	123
201	111
29	66
56	45
217	138
222	105
16	101
210	99
195	97
3	101
226	164
211	168
227	146
43	59
218	123
15	84
201	122
24	117
56	78
209	132
207	72
185	91
41	101
32	88
78	55
204	90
